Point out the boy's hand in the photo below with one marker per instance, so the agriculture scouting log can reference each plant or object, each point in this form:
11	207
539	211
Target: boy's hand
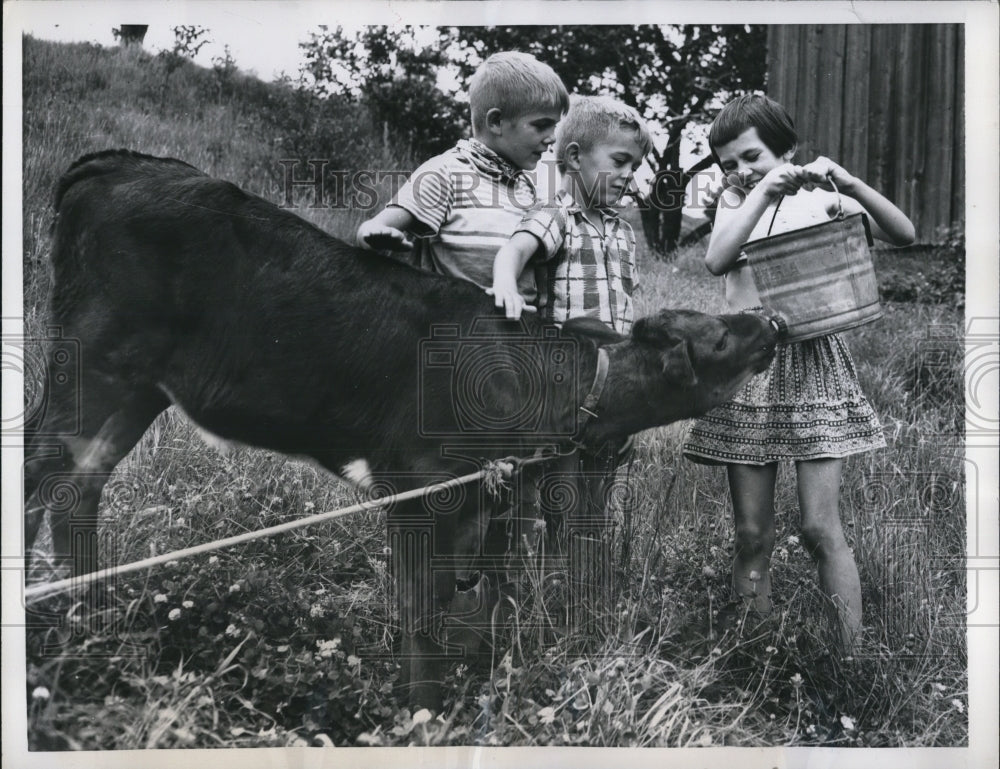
510	299
786	179
380	237
822	170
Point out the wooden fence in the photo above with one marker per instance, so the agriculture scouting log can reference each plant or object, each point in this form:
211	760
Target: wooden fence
886	101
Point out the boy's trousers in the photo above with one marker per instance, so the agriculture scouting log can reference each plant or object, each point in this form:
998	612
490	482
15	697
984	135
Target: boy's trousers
548	551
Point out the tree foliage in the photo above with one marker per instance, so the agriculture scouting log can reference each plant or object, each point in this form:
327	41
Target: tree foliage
397	76
674	75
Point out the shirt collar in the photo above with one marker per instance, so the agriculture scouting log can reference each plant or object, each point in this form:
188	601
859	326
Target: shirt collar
564	200
489	162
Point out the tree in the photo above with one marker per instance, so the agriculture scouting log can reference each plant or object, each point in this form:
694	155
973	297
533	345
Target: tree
130	34
674	75
396	76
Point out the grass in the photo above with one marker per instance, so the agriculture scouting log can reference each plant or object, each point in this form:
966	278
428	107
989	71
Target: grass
288	641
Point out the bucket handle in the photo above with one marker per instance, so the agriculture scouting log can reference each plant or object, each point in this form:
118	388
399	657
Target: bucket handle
840	213
840	206
840	202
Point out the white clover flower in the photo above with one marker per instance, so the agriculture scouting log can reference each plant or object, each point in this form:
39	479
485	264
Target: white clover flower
188	604
847	722
547	715
174	614
40	693
326	649
422	716
159	598
796	680
213	560
235	587
232	630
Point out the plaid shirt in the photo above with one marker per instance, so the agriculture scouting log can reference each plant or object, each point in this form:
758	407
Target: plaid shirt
590	273
468	201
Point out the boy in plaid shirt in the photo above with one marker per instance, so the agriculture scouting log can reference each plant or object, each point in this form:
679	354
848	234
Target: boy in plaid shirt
588	249
590	255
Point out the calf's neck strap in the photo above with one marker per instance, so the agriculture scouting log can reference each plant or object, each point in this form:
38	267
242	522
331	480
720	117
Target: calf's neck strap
589	407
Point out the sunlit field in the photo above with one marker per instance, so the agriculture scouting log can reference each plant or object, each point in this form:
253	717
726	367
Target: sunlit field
288	640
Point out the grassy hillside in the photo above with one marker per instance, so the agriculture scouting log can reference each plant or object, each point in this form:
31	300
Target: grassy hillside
81	98
286	641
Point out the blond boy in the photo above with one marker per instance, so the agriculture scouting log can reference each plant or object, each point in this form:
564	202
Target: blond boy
463	204
588	248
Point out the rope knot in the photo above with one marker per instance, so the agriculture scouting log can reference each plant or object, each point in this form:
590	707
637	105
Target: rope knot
497	474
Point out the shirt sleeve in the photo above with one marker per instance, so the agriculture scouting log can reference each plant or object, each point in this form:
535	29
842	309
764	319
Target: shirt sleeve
428	194
631	262
548	225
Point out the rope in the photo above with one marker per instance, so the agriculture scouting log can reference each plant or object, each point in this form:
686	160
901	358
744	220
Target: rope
493	473
34	593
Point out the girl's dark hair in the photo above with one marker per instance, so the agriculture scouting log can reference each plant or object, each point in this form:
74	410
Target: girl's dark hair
772	121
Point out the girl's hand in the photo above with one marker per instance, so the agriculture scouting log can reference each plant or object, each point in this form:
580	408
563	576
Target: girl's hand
786	179
822	170
887	221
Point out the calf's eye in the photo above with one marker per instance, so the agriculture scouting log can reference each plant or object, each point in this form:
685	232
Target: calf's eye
721	344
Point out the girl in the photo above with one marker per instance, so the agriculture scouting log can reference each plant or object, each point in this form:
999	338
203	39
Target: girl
808	407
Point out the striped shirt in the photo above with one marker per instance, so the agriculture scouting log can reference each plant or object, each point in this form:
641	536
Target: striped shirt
468	201
590	273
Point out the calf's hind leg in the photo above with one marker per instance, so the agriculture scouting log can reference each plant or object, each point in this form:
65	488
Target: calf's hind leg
424	591
65	473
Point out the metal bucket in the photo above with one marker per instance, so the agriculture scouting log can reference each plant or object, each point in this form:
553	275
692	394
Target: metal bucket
818	280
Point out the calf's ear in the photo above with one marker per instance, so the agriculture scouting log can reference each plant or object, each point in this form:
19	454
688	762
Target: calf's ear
656	330
593	329
677	365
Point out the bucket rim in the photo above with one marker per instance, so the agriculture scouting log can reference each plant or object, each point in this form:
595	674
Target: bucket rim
795	233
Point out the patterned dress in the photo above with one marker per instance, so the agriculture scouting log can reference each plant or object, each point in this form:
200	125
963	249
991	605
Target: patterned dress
807	405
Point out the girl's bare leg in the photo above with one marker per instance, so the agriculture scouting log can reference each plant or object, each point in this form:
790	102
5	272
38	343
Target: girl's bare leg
823	537
752	489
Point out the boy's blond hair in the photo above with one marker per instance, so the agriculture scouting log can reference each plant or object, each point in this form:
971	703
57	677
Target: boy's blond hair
515	83
592	119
